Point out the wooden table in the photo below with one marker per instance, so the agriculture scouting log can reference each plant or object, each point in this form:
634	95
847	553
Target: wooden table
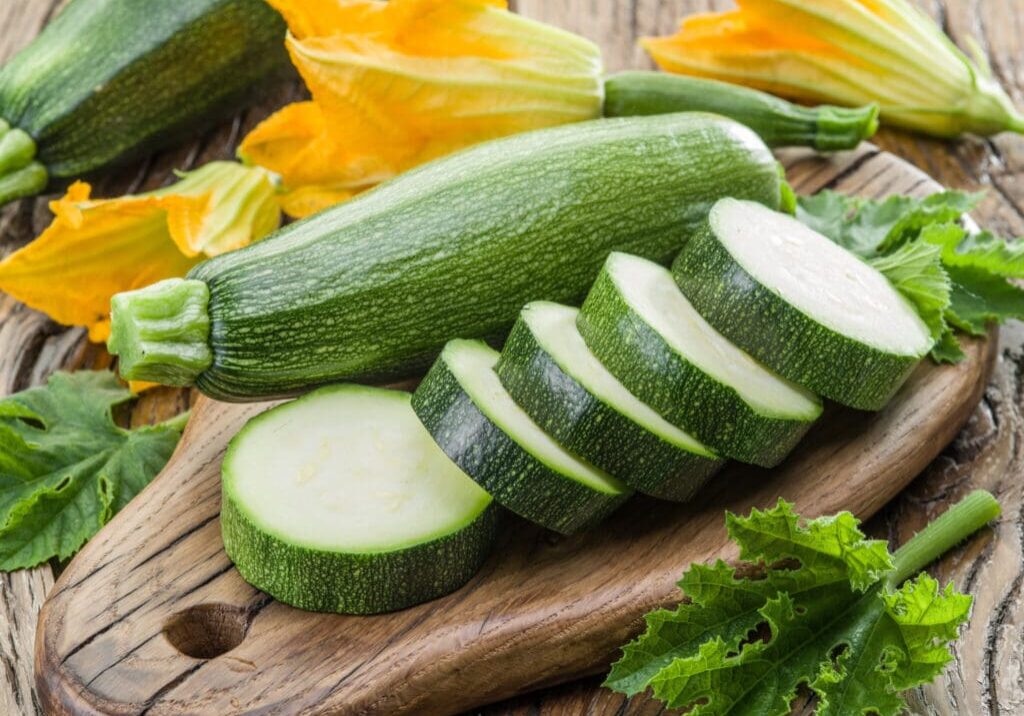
989	672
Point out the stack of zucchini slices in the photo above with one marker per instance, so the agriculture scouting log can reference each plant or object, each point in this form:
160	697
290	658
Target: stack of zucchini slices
661	376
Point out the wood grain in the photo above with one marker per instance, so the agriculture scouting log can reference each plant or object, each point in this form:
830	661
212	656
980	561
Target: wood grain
989	676
152	618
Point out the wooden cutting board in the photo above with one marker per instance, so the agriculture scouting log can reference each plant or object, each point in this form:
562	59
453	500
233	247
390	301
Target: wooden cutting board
151	617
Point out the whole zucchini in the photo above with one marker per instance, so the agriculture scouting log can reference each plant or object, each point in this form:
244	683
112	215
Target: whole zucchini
373	288
778	122
109	80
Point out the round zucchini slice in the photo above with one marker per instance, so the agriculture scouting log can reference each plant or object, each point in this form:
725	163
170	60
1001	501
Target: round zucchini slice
549	371
340	501
641	327
472	417
801	304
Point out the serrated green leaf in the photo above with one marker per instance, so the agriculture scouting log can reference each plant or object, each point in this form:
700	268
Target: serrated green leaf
869	228
979	298
744	646
66	467
915	269
983	251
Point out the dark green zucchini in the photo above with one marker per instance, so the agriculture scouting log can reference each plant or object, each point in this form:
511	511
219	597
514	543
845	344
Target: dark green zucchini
778	122
373	288
109	80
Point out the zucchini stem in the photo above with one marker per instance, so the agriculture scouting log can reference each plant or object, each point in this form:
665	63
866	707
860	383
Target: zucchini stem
844	127
161	333
20	175
942	534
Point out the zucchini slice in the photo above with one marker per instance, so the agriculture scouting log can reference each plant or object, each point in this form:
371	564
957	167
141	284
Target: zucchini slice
801	304
640	325
549	371
341	502
475	421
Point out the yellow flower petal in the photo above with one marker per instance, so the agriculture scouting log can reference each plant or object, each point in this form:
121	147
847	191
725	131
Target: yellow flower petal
407	81
844	52
96	248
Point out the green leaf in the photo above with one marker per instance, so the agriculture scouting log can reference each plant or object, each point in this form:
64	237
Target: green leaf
820	616
868	228
979	297
915	269
983	251
66	468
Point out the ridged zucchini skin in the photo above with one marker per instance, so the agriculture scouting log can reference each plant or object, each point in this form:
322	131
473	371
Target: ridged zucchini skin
515	479
596	431
370	583
778	122
372	289
780	335
110	80
682	393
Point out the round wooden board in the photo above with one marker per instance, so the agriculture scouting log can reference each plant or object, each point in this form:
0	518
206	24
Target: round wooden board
151	618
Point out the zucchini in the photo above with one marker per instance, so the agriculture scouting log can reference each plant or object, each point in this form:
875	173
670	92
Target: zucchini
801	304
778	122
341	502
640	325
110	80
549	372
463	405
372	289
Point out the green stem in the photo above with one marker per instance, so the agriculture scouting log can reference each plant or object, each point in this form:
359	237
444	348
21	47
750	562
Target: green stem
178	422
161	333
20	174
844	127
1017	124
27	181
942	534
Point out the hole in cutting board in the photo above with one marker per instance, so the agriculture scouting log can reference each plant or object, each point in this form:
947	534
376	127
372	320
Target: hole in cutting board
207	630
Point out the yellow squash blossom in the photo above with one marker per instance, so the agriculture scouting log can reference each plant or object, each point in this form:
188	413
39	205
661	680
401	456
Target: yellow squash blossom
845	52
399	83
98	247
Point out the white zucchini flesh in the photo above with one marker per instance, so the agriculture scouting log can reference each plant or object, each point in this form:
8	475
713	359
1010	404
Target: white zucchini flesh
358	473
473	366
819	277
341	501
554	325
651	292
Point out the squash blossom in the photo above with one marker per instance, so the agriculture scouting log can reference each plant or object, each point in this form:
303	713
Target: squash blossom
399	83
845	52
95	248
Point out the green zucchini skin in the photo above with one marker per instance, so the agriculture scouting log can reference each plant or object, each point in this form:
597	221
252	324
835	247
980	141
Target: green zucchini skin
110	80
319	581
780	335
586	426
515	479
373	288
682	393
778	122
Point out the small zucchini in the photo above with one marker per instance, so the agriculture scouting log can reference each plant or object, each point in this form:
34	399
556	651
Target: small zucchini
549	372
341	502
110	80
801	304
641	327
472	417
778	122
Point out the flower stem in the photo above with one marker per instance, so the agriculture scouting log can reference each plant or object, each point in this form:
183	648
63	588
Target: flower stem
951	527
